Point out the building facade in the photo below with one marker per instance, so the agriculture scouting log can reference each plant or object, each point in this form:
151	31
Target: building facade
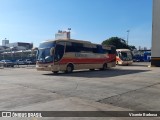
62	35
20	45
5	42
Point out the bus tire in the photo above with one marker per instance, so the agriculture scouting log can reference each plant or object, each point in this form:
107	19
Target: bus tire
104	66
55	72
91	69
69	68
117	63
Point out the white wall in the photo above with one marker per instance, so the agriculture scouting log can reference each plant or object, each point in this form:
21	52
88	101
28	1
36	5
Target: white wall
156	29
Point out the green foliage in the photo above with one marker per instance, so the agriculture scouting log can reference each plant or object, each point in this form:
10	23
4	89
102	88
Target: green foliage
118	43
132	47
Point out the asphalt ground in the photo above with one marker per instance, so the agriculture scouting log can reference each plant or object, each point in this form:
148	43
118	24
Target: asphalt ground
123	88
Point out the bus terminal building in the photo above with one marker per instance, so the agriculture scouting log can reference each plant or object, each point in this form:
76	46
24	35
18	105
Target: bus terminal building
17	50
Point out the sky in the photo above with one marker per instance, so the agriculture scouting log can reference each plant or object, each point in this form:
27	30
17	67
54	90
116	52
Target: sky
34	21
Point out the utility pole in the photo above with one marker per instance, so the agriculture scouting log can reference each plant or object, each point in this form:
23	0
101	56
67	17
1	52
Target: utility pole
128	36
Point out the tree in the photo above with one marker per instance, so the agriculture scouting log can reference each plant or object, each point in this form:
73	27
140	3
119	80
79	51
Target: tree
132	47
118	43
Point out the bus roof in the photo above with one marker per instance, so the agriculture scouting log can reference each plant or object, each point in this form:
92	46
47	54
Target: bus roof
122	50
71	40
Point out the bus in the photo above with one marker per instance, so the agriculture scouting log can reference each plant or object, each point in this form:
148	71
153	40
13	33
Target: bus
147	56
69	55
124	57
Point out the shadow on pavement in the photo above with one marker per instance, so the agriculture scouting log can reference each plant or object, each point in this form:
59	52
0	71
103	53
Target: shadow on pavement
98	73
140	65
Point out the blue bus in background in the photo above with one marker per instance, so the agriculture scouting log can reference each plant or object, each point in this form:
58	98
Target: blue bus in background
138	58
144	56
147	56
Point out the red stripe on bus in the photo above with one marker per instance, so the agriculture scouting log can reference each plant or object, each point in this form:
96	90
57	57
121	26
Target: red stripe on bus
118	59
86	60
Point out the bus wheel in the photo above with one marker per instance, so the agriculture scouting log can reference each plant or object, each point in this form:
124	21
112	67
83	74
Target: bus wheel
91	69
104	67
69	68
117	63
55	72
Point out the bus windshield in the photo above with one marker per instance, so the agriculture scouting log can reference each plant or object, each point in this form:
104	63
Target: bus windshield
126	55
43	54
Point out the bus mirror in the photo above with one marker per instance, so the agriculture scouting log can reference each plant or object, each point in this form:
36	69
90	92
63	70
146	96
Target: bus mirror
34	49
52	51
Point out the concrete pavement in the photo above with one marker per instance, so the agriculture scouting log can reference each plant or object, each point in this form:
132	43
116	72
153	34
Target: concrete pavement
122	88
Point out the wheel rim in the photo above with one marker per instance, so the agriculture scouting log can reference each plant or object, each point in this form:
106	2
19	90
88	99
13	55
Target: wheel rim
69	69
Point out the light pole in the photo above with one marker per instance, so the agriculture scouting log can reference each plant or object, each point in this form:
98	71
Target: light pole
128	36
11	48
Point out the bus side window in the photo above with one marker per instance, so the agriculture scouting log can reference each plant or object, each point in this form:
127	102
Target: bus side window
98	49
78	47
87	48
69	47
73	47
117	54
113	50
59	51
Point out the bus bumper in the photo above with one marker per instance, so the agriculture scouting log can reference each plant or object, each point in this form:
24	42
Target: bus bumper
47	67
125	62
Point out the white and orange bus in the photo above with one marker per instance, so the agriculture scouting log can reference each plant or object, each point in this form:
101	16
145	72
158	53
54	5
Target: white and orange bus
69	55
124	57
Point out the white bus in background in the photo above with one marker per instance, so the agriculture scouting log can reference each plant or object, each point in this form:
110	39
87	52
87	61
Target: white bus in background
124	57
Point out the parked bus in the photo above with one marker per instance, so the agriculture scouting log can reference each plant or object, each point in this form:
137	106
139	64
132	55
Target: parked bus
124	57
147	56
69	55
